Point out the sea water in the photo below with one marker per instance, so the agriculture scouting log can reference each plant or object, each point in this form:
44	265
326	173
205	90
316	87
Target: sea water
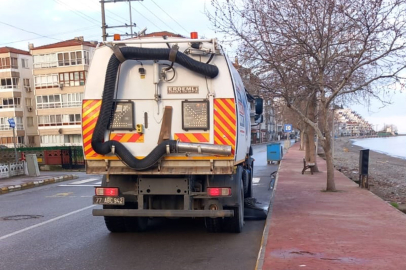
393	146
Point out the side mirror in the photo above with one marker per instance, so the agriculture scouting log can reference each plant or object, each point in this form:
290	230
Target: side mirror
259	118
259	105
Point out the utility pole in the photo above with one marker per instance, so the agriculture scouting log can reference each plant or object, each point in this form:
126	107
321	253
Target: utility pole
105	35
131	20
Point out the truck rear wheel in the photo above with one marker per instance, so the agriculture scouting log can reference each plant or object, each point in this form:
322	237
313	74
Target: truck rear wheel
114	224
135	224
250	192
236	223
213	225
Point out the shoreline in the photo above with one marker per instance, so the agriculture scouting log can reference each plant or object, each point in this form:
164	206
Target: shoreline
380	152
386	174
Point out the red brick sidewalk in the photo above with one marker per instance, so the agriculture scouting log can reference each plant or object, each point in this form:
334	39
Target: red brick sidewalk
312	229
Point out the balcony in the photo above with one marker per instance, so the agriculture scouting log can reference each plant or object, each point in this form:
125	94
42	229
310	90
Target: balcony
69	104
6	127
10	108
14	88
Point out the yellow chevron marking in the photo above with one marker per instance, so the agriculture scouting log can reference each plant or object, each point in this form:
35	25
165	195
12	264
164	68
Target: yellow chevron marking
224	106
224	138
90	119
87	103
89	129
91	109
206	136
88	147
229	132
225	118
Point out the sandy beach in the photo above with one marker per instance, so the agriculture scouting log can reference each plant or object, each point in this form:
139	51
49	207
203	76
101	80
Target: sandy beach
387	175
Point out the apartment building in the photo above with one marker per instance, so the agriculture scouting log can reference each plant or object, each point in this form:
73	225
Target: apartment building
16	97
350	123
59	74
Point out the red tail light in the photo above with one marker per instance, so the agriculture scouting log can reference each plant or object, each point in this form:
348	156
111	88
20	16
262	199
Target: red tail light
216	192
100	191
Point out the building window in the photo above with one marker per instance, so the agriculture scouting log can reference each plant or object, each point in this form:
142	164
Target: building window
45	60
9	140
9	83
24	63
73	58
9	103
8	62
28	102
73	139
61	139
59	120
60	101
4	125
30	121
72	78
5	63
46	81
31	140
27	86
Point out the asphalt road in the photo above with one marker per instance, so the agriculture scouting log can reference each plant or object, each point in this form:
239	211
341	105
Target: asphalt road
51	227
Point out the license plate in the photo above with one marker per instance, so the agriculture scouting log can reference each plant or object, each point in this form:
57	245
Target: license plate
108	200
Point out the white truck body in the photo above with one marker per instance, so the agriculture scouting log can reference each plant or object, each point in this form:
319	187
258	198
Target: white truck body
148	88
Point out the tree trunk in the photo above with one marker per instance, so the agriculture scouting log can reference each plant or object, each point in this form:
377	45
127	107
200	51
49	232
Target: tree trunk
310	134
302	138
306	146
330	165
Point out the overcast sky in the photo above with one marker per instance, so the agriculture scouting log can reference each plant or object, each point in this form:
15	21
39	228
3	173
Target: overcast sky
48	21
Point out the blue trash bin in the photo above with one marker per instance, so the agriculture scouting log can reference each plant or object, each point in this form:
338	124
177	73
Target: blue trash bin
274	152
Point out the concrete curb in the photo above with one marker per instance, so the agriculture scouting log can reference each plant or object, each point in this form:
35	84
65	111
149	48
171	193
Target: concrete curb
265	233
38	183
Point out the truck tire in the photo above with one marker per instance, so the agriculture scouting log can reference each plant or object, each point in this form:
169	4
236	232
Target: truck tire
114	224
213	225
245	181
123	224
236	223
250	192
135	224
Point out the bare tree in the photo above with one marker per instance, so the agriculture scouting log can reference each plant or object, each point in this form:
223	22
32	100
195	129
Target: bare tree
318	51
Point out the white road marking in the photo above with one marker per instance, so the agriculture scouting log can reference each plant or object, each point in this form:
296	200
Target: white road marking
45	222
256	180
96	184
85	181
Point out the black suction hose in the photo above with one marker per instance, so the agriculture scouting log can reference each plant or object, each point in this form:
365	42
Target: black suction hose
103	121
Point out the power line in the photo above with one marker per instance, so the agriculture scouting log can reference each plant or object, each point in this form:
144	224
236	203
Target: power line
122	19
79	13
170	16
48	36
29	31
146	18
156	16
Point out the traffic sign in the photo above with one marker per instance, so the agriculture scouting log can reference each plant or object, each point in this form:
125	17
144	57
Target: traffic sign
11	122
287	128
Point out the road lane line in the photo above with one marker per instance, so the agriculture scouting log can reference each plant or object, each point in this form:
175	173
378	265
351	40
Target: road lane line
85	181
45	222
256	180
96	184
